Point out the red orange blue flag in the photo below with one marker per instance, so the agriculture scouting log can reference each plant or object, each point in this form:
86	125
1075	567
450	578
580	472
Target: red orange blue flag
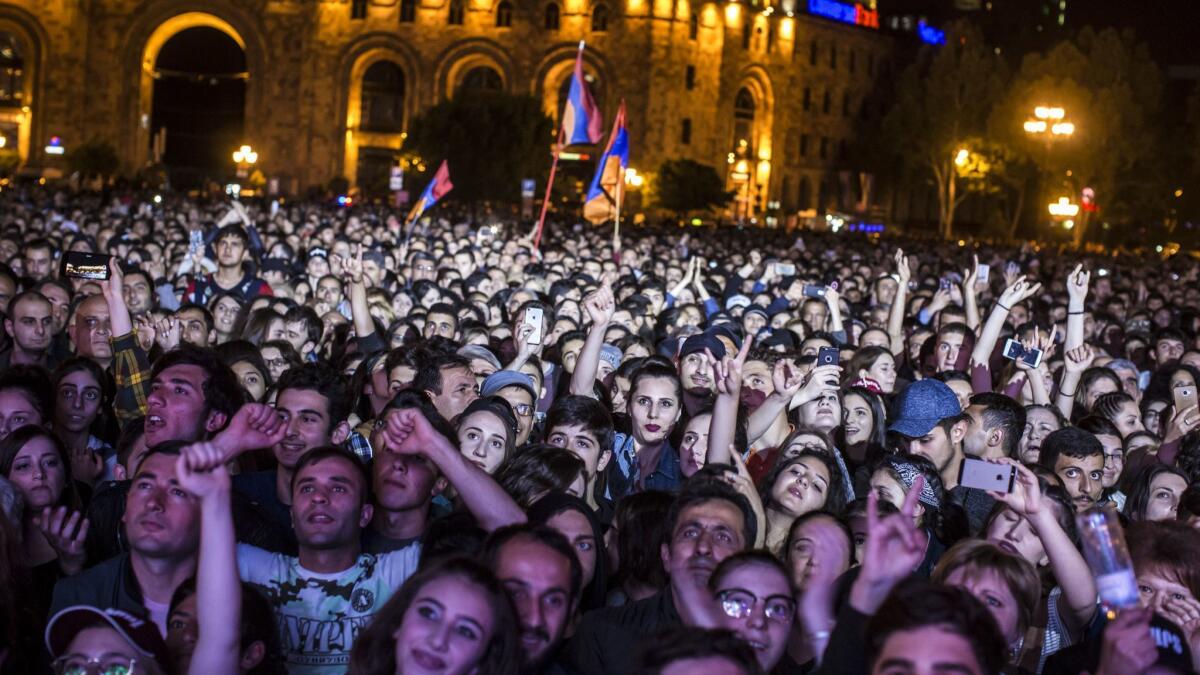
581	121
600	205
437	188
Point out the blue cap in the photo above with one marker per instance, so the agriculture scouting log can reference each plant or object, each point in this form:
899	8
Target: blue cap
507	378
612	355
701	342
920	407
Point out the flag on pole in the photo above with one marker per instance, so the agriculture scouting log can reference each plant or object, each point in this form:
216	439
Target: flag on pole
437	188
600	205
581	121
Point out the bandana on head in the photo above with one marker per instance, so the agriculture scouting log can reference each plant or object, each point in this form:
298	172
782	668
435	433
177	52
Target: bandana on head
907	474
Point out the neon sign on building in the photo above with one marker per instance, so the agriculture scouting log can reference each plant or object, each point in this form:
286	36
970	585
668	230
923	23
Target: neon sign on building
930	35
838	11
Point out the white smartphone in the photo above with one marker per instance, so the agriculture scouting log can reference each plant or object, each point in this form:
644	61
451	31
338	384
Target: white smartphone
982	271
533	317
982	475
1015	350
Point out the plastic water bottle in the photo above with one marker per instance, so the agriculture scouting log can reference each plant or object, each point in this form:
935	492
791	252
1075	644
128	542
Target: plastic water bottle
1108	557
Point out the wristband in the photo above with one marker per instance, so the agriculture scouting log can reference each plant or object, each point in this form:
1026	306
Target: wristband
1070	313
1063	393
1006	308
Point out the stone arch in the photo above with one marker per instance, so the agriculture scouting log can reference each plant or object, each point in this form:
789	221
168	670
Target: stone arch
750	174
464	56
157	21
557	65
352	66
32	39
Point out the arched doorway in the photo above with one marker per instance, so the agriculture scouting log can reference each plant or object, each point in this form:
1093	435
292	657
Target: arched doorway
481	79
198	104
15	114
381	105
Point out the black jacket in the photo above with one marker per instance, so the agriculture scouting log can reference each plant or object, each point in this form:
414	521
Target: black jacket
607	639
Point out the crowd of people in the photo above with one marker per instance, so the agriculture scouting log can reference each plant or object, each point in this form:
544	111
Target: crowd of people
293	437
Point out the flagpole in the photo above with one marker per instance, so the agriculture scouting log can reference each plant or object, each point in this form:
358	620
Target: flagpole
617	223
537	234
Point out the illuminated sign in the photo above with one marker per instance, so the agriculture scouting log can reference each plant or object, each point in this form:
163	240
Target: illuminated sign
930	35
55	146
839	11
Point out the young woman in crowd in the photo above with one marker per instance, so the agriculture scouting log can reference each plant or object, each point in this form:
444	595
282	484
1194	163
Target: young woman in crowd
82	399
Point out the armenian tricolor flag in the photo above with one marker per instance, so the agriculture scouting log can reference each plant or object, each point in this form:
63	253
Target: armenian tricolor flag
437	188
581	121
601	202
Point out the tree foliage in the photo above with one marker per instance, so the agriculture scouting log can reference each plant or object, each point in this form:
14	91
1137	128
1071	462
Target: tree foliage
683	186
491	140
942	102
94	159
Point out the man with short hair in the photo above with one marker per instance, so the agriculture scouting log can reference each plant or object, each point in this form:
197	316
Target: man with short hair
931	424
38	258
448	381
230	245
139	292
442	320
708	522
583	425
1077	458
304	329
196	325
997	423
543	578
30	325
1167	346
313	403
518	390
91	328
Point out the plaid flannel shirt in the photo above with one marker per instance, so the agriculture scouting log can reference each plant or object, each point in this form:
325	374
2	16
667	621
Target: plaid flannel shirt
131	371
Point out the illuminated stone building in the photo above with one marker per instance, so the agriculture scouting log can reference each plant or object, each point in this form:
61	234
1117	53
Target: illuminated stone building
769	94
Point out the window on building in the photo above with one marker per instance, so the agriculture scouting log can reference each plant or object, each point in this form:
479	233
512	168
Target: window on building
504	14
481	78
600	19
770	37
552	14
456	12
747	32
833	56
824	151
743	122
693	26
685	131
12	74
812	53
804	145
689	78
382	101
846	104
408	11
807	99
358	9
805	194
827	102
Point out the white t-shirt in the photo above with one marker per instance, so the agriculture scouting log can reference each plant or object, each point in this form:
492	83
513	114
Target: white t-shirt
320	615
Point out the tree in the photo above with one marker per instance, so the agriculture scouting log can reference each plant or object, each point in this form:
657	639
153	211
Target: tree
94	159
942	103
1110	90
491	141
683	185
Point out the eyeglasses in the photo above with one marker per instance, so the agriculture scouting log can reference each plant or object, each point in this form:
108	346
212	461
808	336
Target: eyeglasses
276	363
523	409
78	664
739	604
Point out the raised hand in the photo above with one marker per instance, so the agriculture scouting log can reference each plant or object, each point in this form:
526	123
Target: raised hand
902	269
65	531
254	425
168	333
201	470
407	431
1079	359
1077	284
1026	495
728	371
86	466
353	266
1127	645
1018	291
600	306
893	549
786	378
819	380
145	331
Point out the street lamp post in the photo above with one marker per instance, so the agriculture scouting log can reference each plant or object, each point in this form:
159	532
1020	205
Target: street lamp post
245	157
1050	124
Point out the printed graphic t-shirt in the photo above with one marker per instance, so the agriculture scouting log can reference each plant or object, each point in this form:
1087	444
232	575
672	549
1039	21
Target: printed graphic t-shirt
318	616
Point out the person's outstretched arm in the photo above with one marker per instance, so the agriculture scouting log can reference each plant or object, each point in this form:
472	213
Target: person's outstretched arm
1018	291
1075	361
896	313
202	472
409	432
1077	290
722	427
600	307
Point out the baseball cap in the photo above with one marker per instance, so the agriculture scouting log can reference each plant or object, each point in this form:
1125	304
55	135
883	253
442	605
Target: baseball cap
611	355
479	352
920	407
700	342
506	378
318	252
737	301
140	633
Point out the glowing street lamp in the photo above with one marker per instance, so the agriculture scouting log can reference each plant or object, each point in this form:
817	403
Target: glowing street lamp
1063	208
961	157
1049	120
244	157
634	179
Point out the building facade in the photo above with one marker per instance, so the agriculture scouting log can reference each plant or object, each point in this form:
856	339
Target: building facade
770	97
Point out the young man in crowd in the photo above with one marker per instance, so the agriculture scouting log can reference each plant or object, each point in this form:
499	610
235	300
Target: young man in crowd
1077	458
230	245
29	326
